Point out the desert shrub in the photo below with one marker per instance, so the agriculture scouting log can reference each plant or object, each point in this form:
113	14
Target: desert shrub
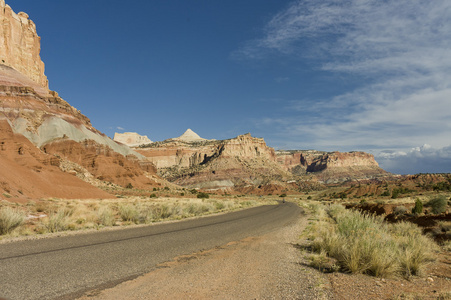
129	213
365	244
203	195
437	204
418	208
153	195
10	219
283	195
385	193
106	217
162	212
129	186
57	221
219	205
400	210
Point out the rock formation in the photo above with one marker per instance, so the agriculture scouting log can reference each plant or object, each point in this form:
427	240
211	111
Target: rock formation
20	44
50	129
28	173
131	139
331	167
189	136
246	163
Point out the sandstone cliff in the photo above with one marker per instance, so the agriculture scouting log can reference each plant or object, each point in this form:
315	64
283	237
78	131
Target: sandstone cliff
20	44
232	164
331	167
247	164
131	139
51	128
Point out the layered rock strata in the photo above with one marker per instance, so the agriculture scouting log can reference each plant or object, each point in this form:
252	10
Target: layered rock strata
20	44
51	128
331	167
232	164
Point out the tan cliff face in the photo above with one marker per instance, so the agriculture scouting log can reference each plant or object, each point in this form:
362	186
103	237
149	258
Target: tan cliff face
331	167
241	163
246	163
20	45
48	147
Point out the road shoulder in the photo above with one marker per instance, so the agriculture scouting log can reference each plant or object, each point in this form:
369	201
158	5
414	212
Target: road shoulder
264	267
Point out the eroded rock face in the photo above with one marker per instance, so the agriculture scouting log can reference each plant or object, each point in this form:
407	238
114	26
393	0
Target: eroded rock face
131	139
331	167
232	164
40	119
247	164
104	163
28	173
20	45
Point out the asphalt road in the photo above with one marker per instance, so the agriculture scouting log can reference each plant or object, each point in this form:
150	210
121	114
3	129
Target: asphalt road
65	267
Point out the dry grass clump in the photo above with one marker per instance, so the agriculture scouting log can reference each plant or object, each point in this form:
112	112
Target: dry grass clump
365	244
10	219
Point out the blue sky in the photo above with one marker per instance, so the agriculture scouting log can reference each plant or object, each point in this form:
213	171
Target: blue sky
331	75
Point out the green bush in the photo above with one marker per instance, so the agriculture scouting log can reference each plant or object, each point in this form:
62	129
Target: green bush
203	195
437	204
10	219
418	208
283	195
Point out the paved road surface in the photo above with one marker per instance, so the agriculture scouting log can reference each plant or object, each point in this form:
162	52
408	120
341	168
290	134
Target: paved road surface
63	268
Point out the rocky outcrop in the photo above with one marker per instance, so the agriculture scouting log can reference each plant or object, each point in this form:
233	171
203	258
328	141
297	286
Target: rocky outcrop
232	164
331	167
51	128
189	136
27	173
247	164
20	45
131	139
104	163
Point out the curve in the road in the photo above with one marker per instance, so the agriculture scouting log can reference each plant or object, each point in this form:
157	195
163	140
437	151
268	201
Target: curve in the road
67	266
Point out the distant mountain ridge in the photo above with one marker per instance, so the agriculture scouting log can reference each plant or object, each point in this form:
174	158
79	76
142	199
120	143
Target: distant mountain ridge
246	162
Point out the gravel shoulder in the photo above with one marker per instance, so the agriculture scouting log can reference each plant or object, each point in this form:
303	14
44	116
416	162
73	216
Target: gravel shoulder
264	267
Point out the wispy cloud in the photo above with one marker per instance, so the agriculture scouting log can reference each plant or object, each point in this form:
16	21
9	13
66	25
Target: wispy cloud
400	50
119	128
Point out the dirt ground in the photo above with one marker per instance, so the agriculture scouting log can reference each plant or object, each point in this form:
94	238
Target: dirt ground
271	267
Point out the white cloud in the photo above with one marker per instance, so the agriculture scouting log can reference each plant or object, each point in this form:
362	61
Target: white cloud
119	128
401	50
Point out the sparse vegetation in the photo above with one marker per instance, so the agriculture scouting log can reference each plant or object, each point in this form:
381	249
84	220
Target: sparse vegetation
55	215
10	219
437	204
129	213
57	221
365	244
